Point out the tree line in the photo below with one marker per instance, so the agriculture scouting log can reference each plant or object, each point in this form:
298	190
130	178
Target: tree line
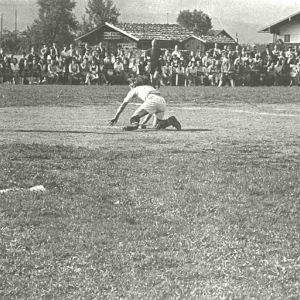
56	22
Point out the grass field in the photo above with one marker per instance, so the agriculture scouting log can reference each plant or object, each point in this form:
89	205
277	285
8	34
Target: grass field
210	212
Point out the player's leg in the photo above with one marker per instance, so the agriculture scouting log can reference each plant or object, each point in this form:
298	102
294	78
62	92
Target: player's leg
145	121
135	119
171	121
221	80
157	105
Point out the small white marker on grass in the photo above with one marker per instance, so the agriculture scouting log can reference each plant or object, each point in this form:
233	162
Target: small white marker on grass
37	188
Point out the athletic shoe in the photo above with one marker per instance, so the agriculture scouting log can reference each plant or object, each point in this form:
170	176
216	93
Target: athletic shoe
129	128
174	122
143	126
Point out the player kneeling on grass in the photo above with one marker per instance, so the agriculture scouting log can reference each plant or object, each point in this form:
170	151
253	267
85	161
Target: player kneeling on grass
153	104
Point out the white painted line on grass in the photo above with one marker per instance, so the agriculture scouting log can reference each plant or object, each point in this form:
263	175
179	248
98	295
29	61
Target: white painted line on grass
237	111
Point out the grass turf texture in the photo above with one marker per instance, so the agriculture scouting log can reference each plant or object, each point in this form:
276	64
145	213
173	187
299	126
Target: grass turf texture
151	215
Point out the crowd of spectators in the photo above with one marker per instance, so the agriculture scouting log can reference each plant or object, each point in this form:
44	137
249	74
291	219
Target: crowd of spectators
219	66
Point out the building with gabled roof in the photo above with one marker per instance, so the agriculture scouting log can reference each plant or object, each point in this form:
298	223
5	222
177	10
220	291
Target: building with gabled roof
160	32
205	42
140	35
286	31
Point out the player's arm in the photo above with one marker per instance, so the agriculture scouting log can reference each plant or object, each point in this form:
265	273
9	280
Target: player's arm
129	96
113	121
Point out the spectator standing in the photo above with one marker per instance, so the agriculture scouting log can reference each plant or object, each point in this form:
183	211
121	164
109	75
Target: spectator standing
52	56
74	72
66	58
65	53
113	58
276	53
155	55
180	74
226	70
141	67
192	58
109	67
85	49
167	74
26	72
15	69
266	54
127	71
45	51
52	72
95	56
213	73
56	49
85	69
176	52
44	71
102	72
31	56
217	50
78	56
236	53
1	72
131	60
119	70
253	52
60	68
21	65
289	52
72	51
1	55
88	56
35	72
120	51
207	60
102	51
7	69
191	73
293	69
92	75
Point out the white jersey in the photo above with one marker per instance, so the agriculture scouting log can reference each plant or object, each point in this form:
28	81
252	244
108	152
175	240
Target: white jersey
141	93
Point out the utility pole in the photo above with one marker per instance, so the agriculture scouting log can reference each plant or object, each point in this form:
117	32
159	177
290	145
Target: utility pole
167	18
16	20
1	28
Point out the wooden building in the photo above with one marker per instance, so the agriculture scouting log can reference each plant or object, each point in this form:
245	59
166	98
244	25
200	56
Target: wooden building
139	36
203	43
285	31
134	35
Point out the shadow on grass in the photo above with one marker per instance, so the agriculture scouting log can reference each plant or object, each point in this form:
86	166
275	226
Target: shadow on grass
58	131
196	130
94	132
186	130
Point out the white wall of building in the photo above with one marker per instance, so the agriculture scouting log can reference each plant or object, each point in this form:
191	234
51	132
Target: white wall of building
292	29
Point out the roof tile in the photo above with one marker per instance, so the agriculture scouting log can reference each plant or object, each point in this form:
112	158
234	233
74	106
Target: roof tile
146	31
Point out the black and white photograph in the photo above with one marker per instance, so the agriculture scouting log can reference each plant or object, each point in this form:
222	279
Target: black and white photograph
149	150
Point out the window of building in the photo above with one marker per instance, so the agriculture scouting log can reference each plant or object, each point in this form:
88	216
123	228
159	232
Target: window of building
287	38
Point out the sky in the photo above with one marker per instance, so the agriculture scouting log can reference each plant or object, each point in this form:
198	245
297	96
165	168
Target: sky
239	17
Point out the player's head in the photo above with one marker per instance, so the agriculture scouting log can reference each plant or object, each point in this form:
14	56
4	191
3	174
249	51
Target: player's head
136	82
